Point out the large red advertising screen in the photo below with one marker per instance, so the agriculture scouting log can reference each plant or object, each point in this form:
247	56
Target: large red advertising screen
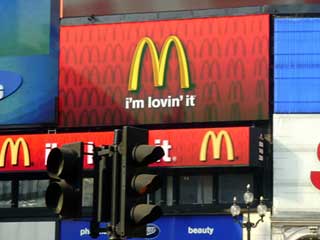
171	71
211	147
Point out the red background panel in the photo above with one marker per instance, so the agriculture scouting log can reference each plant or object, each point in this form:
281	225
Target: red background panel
184	147
228	61
39	146
186	144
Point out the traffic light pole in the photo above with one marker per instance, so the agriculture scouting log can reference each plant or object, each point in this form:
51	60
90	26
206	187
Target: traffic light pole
115	183
99	165
102	156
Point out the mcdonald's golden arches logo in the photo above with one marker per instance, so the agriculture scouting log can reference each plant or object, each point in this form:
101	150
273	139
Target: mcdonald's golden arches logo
14	149
159	63
216	140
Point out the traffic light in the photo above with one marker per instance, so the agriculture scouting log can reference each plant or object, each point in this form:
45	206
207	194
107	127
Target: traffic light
136	182
64	167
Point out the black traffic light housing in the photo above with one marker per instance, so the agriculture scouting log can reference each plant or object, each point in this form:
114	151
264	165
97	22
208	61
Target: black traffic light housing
64	167
136	182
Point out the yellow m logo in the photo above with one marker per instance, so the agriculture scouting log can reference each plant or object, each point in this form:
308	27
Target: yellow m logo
216	145
14	147
159	63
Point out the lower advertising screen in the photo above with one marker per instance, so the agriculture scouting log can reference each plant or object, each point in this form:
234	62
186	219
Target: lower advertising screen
28	230
197	147
168	228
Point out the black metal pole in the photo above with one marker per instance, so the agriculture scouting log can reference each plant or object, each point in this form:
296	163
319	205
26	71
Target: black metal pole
115	186
249	233
248	224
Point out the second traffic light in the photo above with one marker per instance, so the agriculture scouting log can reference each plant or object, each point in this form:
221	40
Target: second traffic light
64	167
136	182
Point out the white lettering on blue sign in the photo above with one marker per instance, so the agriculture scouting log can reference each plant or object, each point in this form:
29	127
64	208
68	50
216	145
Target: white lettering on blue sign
84	231
198	230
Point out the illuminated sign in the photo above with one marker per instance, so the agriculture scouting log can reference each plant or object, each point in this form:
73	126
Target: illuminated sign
296	65
166	228
14	147
216	141
29	62
159	63
315	175
9	83
29	152
173	71
236	146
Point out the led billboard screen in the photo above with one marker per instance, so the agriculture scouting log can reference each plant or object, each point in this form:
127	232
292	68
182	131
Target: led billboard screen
206	147
297	68
188	70
29	52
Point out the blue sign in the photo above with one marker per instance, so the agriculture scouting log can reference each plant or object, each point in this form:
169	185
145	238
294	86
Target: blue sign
297	65
29	54
77	230
168	228
9	83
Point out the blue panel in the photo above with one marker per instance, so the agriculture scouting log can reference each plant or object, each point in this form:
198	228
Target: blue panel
29	53
169	228
297	65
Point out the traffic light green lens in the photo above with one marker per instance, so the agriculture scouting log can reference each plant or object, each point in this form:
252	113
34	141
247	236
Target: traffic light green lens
54	197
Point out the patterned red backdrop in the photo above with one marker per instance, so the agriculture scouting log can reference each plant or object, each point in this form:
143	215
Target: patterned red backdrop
228	59
182	147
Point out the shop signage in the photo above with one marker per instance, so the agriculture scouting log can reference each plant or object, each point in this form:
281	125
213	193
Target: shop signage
216	140
14	147
187	70
167	228
234	146
29	152
237	146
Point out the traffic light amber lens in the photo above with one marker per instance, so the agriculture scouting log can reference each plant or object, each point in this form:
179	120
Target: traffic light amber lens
146	183
55	163
145	213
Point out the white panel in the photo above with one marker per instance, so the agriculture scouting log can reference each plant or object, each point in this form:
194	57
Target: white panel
295	142
27	230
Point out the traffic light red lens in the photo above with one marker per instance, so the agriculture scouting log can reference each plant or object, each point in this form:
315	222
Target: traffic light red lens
55	163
